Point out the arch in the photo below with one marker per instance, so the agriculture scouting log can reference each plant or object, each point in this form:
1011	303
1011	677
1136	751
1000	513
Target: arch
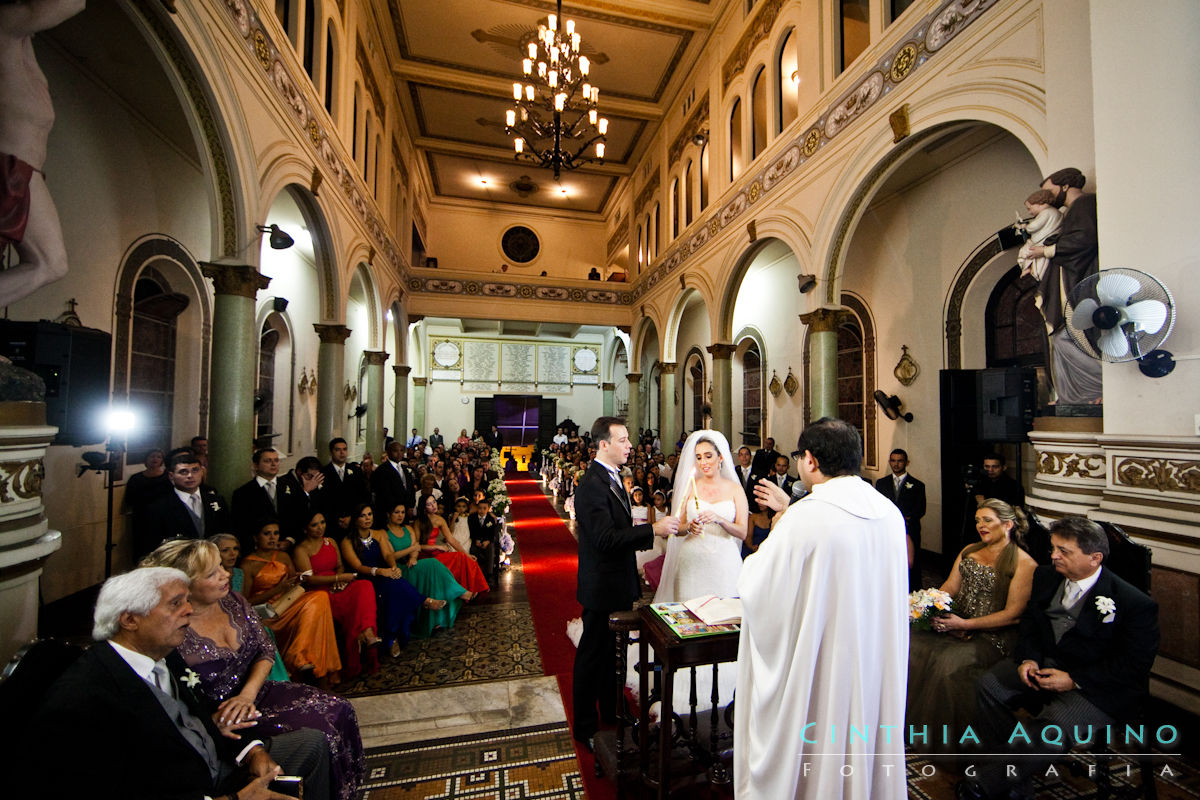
736	161
172	264
300	213
365	291
758	112
751	398
276	376
860	183
977	272
787	65
694	284
695	374
779	233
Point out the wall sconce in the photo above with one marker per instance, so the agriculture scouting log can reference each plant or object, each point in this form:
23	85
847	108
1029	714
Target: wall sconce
774	387
350	392
302	387
807	283
891	405
279	240
790	384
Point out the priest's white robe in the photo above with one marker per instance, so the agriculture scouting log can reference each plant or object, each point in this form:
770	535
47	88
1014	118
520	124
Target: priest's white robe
823	654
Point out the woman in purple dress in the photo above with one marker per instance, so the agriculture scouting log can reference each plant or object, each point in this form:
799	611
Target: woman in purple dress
231	653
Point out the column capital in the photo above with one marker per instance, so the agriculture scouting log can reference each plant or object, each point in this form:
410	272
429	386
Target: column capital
608	387
721	350
633	377
668	366
401	370
823	320
236	279
375	358
332	334
420	380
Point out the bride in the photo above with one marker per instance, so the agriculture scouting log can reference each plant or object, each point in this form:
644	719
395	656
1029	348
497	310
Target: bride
710	499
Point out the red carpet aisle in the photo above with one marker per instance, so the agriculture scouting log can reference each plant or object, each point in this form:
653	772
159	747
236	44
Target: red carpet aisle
549	558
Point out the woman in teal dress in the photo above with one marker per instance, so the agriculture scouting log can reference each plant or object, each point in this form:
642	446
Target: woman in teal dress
428	575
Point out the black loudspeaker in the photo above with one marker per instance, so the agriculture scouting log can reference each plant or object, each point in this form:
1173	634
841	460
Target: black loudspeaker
75	363
1007	401
1010	237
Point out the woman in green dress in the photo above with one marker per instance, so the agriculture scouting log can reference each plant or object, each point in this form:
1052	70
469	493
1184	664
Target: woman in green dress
428	575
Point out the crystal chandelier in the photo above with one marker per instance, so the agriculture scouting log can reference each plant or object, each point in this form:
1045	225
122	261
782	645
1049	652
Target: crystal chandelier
555	120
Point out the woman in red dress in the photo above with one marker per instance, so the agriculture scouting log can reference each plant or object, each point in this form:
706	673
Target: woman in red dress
437	541
351	601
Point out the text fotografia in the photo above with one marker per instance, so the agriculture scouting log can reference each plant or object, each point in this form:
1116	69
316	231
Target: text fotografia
1052	735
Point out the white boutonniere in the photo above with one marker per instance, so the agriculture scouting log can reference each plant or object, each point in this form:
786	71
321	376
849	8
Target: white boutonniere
287	490
190	679
216	505
908	485
1107	608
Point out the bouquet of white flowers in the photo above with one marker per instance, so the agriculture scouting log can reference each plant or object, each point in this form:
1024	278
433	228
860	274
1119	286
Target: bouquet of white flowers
925	604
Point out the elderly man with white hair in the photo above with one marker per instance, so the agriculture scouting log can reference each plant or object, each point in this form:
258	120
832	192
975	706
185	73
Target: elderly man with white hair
124	721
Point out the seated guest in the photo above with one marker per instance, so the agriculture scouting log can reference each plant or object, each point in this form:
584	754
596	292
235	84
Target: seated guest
351	601
484	532
305	625
227	647
463	439
369	553
434	537
1083	655
758	527
990	583
185	512
123	720
230	551
429	576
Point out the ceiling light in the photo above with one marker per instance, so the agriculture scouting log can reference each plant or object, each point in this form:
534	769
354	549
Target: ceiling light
554	121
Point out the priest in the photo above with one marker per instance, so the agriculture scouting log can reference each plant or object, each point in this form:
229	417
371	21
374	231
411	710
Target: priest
823	655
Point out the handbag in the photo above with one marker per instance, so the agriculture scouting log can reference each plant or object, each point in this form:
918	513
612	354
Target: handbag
285	600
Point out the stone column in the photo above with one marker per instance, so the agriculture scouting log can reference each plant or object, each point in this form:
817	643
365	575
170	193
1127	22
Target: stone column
418	406
331	374
400	420
608	404
668	412
633	416
27	540
234	373
374	400
822	360
722	393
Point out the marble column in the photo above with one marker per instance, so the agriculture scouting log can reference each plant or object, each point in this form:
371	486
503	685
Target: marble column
400	420
822	360
633	416
418	412
608	403
331	372
722	392
668	408
234	373
374	400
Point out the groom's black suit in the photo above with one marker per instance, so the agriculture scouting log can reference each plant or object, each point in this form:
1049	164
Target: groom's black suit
102	732
607	582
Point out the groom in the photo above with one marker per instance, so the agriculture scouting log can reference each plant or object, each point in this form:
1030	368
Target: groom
608	578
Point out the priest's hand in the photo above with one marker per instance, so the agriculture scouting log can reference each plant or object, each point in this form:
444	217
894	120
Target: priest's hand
770	495
667	526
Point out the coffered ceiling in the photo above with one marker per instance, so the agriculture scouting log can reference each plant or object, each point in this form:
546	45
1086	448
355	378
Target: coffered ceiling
454	62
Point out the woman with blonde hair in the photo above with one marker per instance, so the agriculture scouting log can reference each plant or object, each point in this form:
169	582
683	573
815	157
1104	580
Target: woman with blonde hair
227	648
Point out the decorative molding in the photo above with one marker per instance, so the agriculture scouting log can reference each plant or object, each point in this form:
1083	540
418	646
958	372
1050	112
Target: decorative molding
759	29
332	334
697	122
619	237
235	279
988	250
368	76
644	195
469	287
21	480
376	358
419	381
1160	474
721	350
823	320
1066	465
401	370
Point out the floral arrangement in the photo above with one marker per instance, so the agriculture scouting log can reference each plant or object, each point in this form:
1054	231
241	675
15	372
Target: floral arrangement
925	604
1107	608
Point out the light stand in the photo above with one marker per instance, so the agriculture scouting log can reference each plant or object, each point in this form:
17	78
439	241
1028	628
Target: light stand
118	423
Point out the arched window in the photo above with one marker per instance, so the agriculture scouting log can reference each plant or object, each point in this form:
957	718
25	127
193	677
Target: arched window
309	46
330	67
735	140
1016	333
264	401
374	181
789	82
356	133
851	382
698	384
641	253
152	363
657	231
758	114
896	8
704	173
688	201
674	230
285	12
752	395
854	31
366	159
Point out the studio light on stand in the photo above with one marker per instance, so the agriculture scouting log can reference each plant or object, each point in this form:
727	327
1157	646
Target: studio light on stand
118	423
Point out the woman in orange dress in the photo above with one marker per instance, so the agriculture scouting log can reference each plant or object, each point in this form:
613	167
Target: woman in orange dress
305	628
446	549
351	601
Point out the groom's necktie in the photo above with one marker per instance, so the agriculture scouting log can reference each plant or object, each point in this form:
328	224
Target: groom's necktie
619	488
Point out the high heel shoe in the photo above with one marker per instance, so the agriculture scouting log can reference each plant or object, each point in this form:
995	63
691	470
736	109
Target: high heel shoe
395	649
434	604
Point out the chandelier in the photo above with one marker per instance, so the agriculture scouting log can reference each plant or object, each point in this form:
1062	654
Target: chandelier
555	120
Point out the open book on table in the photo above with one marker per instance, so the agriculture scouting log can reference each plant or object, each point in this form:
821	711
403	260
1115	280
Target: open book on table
713	610
686	623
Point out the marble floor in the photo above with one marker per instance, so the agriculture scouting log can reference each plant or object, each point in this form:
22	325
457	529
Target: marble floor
458	710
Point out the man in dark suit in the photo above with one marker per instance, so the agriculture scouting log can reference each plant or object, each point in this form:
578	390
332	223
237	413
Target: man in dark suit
345	484
1087	642
392	483
187	511
485	534
996	483
779	474
764	459
608	577
908	494
130	724
258	498
299	495
744	472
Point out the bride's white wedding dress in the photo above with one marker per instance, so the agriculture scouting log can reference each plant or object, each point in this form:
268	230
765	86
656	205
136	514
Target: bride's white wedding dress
708	563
